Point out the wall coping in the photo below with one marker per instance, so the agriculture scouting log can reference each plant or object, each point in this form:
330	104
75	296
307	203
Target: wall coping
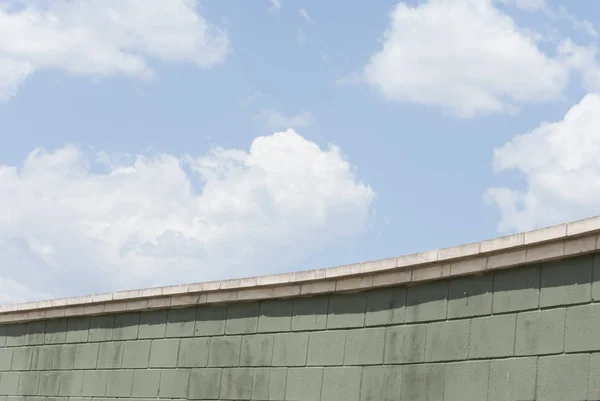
537	246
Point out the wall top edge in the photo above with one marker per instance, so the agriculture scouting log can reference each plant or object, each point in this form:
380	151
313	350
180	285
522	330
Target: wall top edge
270	285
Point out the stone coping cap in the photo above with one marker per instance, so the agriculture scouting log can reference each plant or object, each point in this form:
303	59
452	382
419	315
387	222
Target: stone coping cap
545	244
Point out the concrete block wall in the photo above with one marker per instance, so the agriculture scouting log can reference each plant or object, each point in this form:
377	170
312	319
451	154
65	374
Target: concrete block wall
525	333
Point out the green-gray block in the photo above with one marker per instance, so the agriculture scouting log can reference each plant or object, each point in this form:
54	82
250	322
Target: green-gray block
346	310
101	328
71	383
145	383
174	383
136	354
193	352
225	351
21	359
427	302
236	384
381	383
540	332
364	346
181	322
257	350
594	375
310	313
119	383
242	318
35	333
56	331
466	380
3	329
94	383
63	357
341	384
210	320
289	349
86	356
49	382
423	382
15	335
269	384
405	344
326	348
164	353
516	289
153	324
28	383
596	279
583	328
42	357
126	326
385	306
567	282
9	383
304	384
110	355
204	384
563	377
492	336
275	316
6	355
512	379
78	329
470	296
447	341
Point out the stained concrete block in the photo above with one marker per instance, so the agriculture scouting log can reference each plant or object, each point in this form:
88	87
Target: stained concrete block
153	324
63	357
3	329
566	282
423	382
9	383
516	289
326	348
28	383
145	383
364	346
427	302
204	384
304	384
242	318
269	384
41	358
563	377
21	359
86	356
126	326
386	306
164	353
193	352
78	329
381	383
289	349
181	322
136	354
540	332
35	333
405	344
346	310
310	313
275	316
236	384
224	351
119	383
110	355
94	383
174	383
56	331
341	384
596	279
492	336
49	382
210	320
583	328
15	335
470	296
447	341
594	378
101	328
71	383
512	379
6	355
257	350
466	380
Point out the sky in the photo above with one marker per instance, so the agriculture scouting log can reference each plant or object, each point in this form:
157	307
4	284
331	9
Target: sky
148	143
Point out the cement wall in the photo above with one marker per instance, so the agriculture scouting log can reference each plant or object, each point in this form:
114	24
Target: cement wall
525	333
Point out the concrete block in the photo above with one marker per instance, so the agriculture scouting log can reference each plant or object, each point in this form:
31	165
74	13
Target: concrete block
153	324
236	384
164	353
470	296
94	383
405	344
136	354
21	359
566	282
86	356
101	328
224	351
540	332
326	348
289	349
193	352
71	383
210	320
15	335
346	310
42	357
28	383
563	377
583	328
174	383
242	318
512	379
3	329
304	384
9	383
63	357
181	322
78	329
492	336
596	278
594	377
516	289
257	350
275	316
364	346
145	383
6	355
423	382
269	384
35	332
427	302
381	383
341	384
49	382
204	384
386	306
466	380
310	313
119	383
126	326
110	355
447	341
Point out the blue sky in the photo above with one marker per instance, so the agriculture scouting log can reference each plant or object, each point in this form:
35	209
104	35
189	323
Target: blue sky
191	141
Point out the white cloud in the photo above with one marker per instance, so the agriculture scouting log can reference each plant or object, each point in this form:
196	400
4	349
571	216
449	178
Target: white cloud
274	120
103	38
73	221
561	167
275	6
304	14
465	56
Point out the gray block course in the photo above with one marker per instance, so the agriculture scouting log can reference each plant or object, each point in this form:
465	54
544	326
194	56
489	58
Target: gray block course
341	384
447	341
492	337
174	383
119	383
290	349
466	380
540	332
304	384
364	346
257	350
583	328
193	352
326	348
381	383
145	383
405	344
236	384
512	379
164	353
86	356
423	382
110	355
136	354
224	351
563	377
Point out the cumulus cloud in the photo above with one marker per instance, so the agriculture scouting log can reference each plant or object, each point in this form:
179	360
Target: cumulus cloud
559	162
274	120
74	221
466	57
103	38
